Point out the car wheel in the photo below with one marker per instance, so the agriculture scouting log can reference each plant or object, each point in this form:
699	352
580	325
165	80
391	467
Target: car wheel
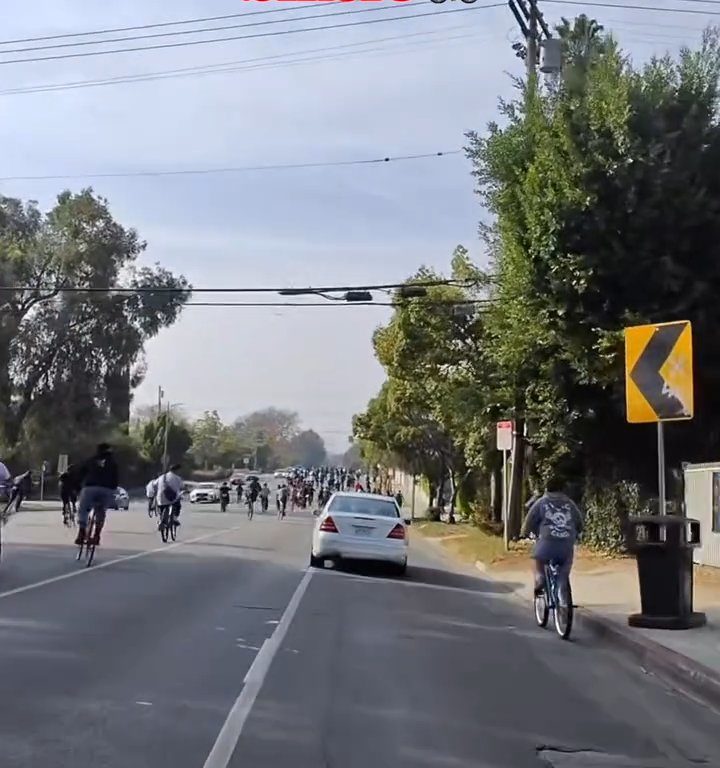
316	562
400	570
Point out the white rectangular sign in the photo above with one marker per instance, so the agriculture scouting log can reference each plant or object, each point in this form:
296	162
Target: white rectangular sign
504	435
62	463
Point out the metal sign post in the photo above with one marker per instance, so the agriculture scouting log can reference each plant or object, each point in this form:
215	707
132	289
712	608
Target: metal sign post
659	381
504	438
661	468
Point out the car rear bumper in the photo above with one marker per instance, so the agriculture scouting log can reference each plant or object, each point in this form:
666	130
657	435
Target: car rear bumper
332	545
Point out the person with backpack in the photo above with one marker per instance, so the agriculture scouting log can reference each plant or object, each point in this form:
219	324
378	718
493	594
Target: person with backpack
169	492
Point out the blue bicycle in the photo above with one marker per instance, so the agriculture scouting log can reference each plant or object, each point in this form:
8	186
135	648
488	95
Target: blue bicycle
557	600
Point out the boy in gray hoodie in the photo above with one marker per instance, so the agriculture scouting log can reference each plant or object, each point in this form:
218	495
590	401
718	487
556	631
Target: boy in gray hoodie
557	523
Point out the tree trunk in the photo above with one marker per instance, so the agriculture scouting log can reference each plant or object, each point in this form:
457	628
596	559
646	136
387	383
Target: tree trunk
453	490
495	496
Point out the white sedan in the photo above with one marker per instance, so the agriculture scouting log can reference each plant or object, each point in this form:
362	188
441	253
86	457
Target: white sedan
204	493
360	526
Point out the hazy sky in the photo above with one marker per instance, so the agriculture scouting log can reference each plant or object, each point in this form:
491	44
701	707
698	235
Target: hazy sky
415	86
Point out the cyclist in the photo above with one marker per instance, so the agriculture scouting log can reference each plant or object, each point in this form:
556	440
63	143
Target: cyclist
151	491
99	484
169	493
21	486
240	487
254	488
264	497
557	523
282	498
224	491
68	485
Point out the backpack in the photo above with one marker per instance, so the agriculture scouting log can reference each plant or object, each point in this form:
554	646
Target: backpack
169	493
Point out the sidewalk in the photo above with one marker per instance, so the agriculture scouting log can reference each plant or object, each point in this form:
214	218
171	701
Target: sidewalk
606	592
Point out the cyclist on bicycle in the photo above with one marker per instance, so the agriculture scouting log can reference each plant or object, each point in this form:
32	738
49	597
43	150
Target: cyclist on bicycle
557	523
264	497
224	492
254	489
151	490
99	484
169	492
68	485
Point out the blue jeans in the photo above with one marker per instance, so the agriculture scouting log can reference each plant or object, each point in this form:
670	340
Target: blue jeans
556	551
94	497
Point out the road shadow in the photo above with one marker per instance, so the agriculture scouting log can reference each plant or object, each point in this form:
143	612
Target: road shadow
432	577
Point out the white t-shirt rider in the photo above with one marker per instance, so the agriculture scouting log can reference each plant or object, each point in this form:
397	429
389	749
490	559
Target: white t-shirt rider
168	480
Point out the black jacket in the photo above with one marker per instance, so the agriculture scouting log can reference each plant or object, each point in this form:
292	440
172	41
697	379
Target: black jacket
102	471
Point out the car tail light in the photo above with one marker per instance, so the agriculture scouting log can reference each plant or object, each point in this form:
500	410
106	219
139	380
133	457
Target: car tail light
328	525
398	532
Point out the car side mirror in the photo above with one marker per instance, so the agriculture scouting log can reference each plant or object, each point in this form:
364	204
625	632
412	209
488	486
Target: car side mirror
408	521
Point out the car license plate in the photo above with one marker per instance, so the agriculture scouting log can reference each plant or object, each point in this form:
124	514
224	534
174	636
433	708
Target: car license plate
362	530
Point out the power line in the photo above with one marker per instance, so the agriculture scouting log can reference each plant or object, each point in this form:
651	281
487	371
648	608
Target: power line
418	301
632	7
221	28
236	169
307	290
227	66
277	33
158	25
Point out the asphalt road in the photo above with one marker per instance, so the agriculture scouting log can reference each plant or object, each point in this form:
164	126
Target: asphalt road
152	658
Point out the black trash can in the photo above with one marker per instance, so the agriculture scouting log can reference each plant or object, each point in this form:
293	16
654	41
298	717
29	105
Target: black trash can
663	546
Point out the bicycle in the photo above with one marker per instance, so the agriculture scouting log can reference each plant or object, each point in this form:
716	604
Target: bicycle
168	523
87	548
250	507
557	600
68	513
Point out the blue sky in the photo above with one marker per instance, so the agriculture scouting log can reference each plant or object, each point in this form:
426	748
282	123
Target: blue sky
415	87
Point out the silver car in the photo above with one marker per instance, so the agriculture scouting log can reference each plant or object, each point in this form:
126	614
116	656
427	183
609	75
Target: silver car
360	526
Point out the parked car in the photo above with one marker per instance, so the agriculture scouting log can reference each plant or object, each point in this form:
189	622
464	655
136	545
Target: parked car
204	493
360	526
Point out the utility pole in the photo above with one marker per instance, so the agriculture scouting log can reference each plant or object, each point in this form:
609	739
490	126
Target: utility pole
532	40
165	442
537	36
160	397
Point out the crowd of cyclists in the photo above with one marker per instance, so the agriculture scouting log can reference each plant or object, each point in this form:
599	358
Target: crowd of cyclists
91	485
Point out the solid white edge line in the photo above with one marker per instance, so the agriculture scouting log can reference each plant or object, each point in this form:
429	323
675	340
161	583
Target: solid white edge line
95	567
232	728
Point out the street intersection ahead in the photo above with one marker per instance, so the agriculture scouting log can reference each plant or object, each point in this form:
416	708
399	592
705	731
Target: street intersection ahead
223	649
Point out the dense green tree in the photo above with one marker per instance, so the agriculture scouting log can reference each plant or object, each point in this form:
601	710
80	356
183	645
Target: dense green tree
72	356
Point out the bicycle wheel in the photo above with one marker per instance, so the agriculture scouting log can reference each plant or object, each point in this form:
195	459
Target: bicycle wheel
163	527
89	546
563	613
172	527
542	610
250	511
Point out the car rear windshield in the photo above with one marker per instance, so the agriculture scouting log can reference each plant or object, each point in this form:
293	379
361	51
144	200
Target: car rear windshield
363	505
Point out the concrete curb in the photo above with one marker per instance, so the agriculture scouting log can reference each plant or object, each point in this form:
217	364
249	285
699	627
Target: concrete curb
689	676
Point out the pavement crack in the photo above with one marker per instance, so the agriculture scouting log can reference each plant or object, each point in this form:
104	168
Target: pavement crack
257	607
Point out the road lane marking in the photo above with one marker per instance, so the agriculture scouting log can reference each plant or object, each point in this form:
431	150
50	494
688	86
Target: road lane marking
232	728
125	558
